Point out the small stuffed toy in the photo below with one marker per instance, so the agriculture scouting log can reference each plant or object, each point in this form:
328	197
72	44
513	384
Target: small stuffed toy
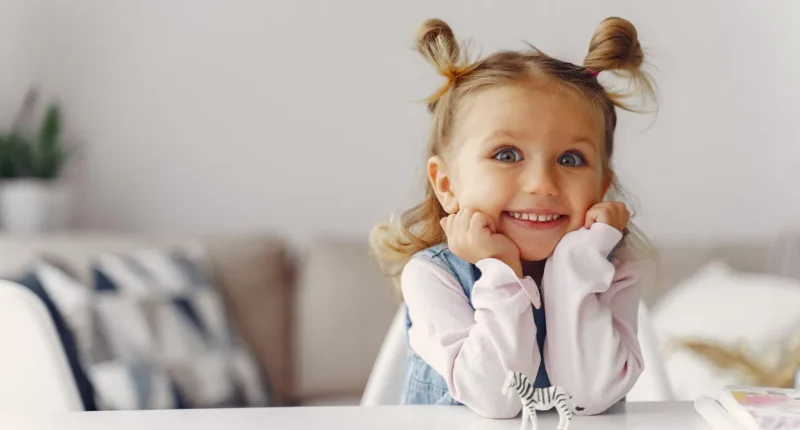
541	399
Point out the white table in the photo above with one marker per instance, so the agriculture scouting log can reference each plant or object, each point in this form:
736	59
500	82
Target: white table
639	416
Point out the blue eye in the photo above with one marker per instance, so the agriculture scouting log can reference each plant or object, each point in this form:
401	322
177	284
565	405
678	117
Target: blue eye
508	155
571	159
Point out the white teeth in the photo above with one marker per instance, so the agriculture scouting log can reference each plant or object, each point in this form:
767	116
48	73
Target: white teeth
534	217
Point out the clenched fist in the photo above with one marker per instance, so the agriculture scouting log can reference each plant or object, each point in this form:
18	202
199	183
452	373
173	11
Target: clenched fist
473	236
614	214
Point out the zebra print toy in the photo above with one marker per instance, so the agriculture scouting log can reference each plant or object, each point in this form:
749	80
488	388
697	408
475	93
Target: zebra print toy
541	399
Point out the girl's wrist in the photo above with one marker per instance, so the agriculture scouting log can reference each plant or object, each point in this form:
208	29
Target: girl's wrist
515	265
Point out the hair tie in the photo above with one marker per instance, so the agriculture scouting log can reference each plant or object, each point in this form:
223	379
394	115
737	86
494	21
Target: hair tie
592	72
453	74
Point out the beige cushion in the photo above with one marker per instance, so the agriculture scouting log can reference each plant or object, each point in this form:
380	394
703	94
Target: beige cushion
679	260
258	283
724	309
253	273
344	309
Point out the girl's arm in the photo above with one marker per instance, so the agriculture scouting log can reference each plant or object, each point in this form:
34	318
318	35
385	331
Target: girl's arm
592	349
472	350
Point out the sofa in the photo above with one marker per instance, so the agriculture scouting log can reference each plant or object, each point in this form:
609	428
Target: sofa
315	332
315	316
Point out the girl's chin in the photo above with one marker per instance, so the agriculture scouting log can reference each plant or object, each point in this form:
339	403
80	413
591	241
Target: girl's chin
537	254
536	249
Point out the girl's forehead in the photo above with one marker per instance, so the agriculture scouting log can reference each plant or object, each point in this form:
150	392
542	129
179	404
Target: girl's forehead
528	112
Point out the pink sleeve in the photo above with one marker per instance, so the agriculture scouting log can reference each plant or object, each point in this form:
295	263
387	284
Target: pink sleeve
472	350
592	349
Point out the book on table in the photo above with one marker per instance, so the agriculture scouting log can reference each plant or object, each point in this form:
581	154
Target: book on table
752	408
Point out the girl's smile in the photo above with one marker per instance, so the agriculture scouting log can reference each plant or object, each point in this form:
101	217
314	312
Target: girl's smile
537	220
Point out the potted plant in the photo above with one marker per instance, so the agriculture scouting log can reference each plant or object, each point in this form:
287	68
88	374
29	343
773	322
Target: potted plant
32	196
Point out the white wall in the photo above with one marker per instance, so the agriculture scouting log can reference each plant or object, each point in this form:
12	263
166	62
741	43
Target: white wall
16	57
230	116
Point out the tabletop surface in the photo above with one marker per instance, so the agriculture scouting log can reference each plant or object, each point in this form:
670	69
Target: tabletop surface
640	416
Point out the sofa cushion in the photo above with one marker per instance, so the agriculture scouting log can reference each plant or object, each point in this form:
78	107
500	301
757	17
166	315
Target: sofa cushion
134	385
161	314
344	308
721	321
253	273
676	261
257	277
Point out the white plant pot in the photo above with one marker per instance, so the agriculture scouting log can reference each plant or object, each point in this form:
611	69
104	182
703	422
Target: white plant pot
33	206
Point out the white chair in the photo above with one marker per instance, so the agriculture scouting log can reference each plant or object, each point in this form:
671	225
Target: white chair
386	380
653	384
34	373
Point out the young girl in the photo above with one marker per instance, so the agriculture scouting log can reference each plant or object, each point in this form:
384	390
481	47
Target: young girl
518	219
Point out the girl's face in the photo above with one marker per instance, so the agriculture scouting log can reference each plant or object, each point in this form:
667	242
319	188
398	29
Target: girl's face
528	157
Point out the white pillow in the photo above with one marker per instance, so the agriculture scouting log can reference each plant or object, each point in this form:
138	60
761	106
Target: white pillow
721	305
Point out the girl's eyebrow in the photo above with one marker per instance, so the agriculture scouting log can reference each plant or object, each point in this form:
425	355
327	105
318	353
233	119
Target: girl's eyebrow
573	140
502	133
584	142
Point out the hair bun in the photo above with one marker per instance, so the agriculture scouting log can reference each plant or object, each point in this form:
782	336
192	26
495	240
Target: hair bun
437	43
615	46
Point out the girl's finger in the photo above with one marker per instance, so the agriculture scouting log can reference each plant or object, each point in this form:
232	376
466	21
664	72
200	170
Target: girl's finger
463	218
478	222
591	217
448	226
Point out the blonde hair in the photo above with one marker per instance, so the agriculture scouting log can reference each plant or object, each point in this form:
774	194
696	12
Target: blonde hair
614	47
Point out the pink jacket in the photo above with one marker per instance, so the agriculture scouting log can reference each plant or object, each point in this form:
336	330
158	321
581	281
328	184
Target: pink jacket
591	348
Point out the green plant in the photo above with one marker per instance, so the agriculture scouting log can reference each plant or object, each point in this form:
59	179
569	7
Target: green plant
14	156
42	155
48	155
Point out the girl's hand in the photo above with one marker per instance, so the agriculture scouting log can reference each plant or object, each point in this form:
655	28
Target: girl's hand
614	214
473	236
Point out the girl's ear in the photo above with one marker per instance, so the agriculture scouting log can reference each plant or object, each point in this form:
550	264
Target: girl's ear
441	184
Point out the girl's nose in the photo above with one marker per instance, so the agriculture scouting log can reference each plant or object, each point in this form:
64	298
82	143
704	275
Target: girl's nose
540	180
